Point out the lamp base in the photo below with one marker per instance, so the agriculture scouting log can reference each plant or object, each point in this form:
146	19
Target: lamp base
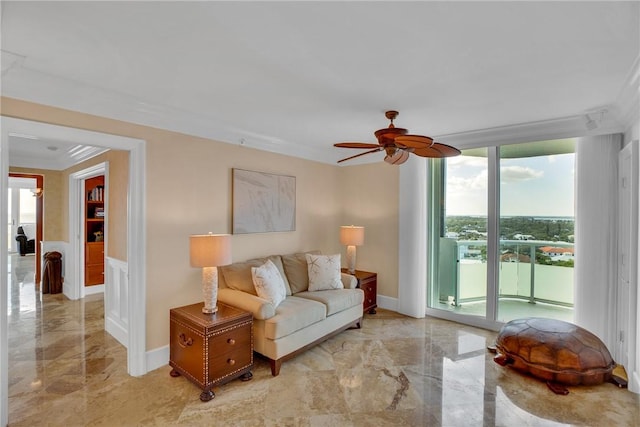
213	310
351	259
210	289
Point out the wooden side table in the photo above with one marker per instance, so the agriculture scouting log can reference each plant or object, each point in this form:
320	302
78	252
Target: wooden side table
211	349
368	282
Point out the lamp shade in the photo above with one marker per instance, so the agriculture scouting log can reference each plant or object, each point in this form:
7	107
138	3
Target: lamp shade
351	235
210	250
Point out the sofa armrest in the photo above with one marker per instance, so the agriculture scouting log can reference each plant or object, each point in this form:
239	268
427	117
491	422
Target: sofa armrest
260	308
349	281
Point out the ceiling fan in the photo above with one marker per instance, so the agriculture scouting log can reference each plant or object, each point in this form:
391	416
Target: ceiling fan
398	145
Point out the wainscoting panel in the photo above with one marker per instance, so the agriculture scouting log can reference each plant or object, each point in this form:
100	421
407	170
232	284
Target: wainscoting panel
116	299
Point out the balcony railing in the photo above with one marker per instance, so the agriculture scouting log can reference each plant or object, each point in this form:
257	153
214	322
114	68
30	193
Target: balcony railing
520	276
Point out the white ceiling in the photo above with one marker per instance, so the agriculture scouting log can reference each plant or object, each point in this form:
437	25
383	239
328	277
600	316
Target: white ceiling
296	77
31	151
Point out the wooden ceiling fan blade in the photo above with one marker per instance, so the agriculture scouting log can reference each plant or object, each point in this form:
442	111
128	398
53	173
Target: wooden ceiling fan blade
361	154
446	150
437	151
414	141
427	152
356	145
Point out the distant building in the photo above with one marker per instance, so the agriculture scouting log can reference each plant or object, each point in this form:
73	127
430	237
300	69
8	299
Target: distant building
557	253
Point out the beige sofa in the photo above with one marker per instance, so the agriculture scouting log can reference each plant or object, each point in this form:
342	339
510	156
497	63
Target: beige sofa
303	319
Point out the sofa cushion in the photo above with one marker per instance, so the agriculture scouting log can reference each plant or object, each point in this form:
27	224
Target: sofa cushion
292	315
268	283
295	268
324	272
238	275
336	300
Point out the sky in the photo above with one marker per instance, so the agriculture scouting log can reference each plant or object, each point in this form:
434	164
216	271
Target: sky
530	186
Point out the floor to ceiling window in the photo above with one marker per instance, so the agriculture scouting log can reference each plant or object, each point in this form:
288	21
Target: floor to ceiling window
501	232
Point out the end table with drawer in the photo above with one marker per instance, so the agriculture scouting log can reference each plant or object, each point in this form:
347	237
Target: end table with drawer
368	282
211	349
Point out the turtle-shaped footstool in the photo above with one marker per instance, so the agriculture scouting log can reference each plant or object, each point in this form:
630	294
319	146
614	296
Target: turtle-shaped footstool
556	351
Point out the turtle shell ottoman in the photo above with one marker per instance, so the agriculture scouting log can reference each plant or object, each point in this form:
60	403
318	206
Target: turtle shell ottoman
555	351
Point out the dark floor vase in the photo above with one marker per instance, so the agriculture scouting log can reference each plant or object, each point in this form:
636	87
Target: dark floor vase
52	274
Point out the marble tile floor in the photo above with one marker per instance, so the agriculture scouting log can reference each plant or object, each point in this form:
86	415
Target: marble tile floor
396	371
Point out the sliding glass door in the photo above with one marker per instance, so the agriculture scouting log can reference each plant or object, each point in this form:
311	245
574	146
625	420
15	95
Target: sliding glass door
501	233
459	229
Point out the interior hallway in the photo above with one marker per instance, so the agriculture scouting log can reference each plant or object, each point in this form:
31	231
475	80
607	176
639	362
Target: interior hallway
65	370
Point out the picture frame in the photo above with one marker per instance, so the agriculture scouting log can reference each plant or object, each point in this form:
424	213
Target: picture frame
262	202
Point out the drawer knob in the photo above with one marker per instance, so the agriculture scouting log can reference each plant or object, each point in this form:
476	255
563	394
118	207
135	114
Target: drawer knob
184	341
231	341
231	362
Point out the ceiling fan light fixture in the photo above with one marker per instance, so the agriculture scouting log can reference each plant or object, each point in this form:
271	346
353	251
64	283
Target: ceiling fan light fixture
397	158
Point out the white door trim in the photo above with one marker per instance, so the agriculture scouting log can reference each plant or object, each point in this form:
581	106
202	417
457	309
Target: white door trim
136	237
76	225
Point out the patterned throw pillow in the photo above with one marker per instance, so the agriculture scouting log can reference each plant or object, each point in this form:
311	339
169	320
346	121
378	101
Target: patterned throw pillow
324	272
269	283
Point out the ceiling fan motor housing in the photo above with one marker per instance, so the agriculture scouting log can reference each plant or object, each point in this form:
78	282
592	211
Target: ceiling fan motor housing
386	137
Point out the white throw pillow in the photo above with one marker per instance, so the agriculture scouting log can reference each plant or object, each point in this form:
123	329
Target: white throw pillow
324	272
269	283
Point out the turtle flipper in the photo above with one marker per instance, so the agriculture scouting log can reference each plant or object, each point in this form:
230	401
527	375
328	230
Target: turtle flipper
557	388
619	377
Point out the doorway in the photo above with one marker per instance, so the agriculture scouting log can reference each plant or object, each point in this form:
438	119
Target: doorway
25	204
77	214
136	236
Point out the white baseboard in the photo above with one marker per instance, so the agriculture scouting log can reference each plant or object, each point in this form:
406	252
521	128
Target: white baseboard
116	331
68	290
635	380
157	358
95	289
387	303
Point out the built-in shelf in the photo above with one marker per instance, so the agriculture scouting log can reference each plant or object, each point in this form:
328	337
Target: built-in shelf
94	231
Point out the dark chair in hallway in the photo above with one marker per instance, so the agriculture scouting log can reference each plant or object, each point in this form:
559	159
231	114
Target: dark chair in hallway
25	245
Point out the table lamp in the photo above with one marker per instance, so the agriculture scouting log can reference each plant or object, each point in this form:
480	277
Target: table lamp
210	251
351	236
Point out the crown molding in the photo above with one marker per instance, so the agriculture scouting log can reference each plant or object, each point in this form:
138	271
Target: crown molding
619	117
56	164
566	127
34	86
30	85
39	163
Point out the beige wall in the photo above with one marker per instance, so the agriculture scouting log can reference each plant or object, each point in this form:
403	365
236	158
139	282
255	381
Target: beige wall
189	191
370	199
